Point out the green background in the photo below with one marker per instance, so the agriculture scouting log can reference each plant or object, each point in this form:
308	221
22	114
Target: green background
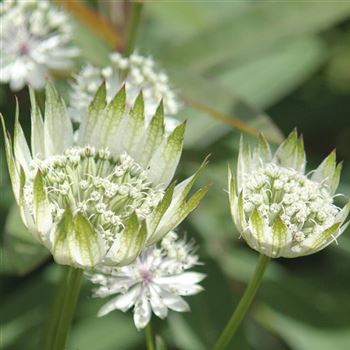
274	65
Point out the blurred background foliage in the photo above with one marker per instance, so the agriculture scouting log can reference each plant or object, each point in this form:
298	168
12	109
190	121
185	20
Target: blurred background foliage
240	66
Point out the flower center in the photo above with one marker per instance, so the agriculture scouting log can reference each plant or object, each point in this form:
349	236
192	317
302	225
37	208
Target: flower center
305	206
105	189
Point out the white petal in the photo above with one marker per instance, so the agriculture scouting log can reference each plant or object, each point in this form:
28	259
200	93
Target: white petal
184	278
142	313
122	302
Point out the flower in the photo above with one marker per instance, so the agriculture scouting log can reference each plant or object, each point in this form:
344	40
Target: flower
154	282
34	39
101	198
137	73
277	208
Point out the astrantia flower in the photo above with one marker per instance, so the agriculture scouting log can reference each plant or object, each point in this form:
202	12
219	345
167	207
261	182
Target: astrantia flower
102	198
137	73
278	209
34	39
154	282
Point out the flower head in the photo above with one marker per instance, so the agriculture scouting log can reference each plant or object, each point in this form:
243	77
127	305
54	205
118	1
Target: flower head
103	197
136	73
154	282
278	209
34	38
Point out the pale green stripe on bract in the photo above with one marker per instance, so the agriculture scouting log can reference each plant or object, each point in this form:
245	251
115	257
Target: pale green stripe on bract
11	162
164	161
37	128
258	228
60	249
125	249
42	212
113	119
175	215
21	149
279	237
152	137
85	245
321	239
156	216
325	171
58	129
91	123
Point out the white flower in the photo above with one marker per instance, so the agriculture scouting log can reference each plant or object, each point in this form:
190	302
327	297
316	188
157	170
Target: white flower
278	209
34	39
103	197
154	282
137	73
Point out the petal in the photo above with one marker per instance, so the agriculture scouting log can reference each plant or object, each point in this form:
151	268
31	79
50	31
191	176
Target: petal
174	302
142	313
21	149
244	162
42	212
11	163
334	182
128	245
37	128
260	231
153	137
122	302
290	153
58	129
157	304
162	166
186	278
85	245
325	172
90	128
281	239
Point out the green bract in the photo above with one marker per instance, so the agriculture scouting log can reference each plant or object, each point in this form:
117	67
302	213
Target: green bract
100	195
278	209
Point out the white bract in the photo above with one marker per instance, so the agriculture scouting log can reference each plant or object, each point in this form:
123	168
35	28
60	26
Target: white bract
35	38
136	73
154	282
102	198
278	209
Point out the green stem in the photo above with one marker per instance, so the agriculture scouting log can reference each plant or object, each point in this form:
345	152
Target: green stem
134	22
63	309
149	337
243	305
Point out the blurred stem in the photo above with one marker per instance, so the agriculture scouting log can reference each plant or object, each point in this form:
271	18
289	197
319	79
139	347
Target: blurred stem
62	310
136	9
149	337
243	306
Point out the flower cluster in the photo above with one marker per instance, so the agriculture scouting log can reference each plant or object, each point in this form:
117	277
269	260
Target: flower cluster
138	74
102	197
278	209
154	282
35	38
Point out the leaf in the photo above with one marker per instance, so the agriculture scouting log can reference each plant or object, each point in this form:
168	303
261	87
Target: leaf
216	110
257	28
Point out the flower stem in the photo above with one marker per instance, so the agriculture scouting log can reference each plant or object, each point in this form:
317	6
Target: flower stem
149	337
243	305
62	311
136	9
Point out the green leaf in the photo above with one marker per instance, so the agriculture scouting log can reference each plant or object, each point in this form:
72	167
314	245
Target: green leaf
209	47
